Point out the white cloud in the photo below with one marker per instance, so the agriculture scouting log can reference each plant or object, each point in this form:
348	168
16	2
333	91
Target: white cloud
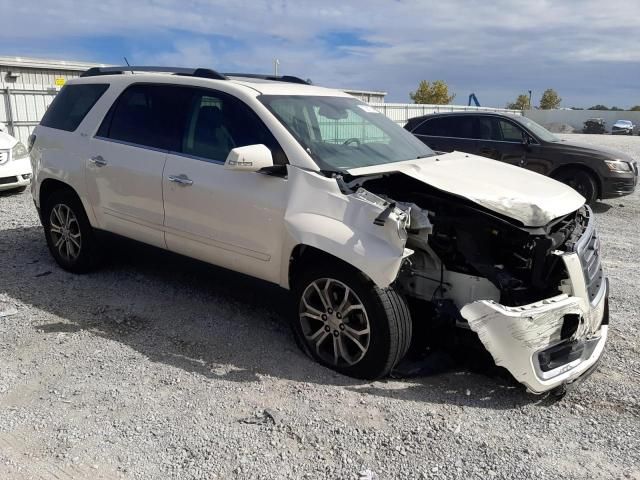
502	47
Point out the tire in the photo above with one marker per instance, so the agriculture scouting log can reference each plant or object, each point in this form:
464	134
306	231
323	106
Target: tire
70	237
581	181
378	320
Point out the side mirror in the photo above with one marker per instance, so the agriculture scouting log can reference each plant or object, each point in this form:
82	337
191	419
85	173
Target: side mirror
526	140
251	158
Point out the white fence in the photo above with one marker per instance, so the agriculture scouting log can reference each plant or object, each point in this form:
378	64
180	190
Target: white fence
401	112
21	109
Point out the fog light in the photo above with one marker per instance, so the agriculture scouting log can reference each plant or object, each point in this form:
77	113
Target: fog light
26	176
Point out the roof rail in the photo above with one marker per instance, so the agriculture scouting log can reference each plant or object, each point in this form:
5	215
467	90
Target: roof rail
283	78
190	72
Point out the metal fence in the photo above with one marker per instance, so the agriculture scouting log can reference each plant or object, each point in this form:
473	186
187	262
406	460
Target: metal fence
21	109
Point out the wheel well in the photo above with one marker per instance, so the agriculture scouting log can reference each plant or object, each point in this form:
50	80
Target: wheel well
583	168
303	256
50	186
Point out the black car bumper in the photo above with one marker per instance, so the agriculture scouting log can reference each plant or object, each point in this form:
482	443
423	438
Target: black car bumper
619	184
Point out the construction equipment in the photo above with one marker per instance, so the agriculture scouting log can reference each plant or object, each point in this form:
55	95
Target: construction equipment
473	98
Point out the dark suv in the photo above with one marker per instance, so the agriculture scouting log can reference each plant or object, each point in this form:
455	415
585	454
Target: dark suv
593	172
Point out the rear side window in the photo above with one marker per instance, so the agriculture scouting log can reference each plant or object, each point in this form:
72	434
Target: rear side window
148	115
71	105
456	127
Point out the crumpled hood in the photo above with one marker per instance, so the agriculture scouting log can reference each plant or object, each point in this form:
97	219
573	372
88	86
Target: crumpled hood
6	141
532	199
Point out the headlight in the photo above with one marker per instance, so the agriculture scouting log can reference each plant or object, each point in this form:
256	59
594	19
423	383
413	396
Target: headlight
19	151
618	165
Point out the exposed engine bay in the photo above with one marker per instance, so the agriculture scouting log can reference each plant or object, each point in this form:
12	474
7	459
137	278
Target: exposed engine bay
462	250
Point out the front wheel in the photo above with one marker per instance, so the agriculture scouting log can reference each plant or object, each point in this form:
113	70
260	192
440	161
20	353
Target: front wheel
348	324
582	182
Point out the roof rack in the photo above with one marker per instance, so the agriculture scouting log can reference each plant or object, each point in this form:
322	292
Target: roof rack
189	72
283	78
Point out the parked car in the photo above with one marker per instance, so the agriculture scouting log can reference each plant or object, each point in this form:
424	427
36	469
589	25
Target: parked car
313	190
594	125
15	165
622	127
595	172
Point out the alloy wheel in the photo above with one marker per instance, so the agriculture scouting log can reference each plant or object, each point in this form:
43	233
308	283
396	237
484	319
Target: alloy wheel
334	322
65	232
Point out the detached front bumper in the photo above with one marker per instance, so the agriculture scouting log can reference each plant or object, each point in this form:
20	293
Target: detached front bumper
555	341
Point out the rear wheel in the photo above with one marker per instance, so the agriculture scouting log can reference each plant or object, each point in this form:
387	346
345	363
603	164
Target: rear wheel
581	181
70	237
348	324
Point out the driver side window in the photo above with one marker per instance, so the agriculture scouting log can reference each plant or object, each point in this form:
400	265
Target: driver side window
218	122
510	132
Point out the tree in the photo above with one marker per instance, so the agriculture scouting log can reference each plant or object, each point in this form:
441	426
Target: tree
616	109
435	93
521	103
598	107
550	99
635	108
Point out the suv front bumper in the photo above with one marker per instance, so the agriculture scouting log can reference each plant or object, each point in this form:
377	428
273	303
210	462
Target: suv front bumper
555	341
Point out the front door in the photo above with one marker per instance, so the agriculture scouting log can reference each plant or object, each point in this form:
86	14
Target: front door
228	218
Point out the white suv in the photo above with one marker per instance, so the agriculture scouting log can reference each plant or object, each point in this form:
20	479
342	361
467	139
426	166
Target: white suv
306	187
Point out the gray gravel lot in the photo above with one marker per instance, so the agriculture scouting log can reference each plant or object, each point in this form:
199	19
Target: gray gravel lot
158	367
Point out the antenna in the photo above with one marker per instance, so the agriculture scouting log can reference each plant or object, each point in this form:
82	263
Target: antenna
127	62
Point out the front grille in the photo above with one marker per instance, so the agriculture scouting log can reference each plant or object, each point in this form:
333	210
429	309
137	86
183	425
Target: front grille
588	249
4	156
6	180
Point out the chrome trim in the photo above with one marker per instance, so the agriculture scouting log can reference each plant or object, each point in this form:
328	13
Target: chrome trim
131	144
474	139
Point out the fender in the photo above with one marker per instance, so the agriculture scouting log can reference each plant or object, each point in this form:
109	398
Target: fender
318	214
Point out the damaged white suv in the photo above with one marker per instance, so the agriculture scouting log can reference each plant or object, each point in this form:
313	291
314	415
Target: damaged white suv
308	188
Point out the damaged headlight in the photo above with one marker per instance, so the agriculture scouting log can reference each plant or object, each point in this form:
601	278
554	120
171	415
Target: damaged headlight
19	151
618	165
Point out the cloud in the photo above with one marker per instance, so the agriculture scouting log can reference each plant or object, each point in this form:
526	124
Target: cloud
498	49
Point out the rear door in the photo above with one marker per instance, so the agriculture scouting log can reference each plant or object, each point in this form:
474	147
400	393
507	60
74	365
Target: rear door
228	218
448	133
128	153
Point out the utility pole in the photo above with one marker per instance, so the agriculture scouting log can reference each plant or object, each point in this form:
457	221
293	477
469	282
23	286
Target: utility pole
529	99
276	63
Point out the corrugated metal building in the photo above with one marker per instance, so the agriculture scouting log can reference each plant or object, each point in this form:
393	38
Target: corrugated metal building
28	86
24	73
369	96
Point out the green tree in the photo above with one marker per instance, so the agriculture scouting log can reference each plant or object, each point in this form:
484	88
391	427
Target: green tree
616	109
550	99
435	93
521	103
635	108
598	107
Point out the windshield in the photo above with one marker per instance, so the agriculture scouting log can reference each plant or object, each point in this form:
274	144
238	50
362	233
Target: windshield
539	130
341	133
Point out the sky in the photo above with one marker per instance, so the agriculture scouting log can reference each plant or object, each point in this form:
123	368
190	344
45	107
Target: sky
588	51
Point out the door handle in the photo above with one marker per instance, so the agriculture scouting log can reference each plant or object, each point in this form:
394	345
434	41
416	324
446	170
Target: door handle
98	161
180	179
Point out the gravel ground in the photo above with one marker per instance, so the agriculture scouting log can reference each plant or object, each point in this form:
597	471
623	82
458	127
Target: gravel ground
157	367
